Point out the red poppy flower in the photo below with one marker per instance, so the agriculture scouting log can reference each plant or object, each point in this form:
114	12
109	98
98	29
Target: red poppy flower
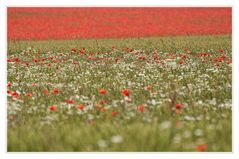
221	51
73	50
26	63
35	60
53	107
102	91
141	108
17	60
113	113
181	62
15	95
75	62
28	94
45	91
103	102
9	85
149	88
81	106
125	92
56	91
202	147
142	58
8	92
90	57
70	101
43	59
178	106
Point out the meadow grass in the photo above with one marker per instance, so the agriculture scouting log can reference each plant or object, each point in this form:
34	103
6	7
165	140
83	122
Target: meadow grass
146	120
173	43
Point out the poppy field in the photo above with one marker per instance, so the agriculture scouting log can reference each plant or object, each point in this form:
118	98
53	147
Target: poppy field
112	92
78	23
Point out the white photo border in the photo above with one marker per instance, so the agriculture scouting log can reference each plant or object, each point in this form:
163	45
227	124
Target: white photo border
122	3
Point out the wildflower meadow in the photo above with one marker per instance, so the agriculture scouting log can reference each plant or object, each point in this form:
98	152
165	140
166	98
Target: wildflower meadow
119	80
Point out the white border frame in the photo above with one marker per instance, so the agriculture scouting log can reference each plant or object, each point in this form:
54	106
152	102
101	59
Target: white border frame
121	3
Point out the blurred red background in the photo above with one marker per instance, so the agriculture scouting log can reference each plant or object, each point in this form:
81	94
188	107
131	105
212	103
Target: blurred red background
78	23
